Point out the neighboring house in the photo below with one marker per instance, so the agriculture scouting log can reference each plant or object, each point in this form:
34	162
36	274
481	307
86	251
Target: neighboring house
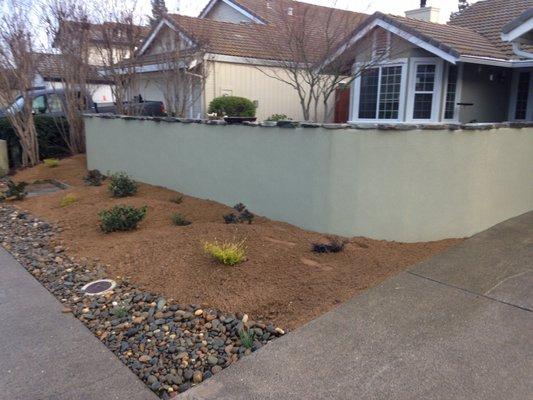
235	57
50	72
459	72
520	33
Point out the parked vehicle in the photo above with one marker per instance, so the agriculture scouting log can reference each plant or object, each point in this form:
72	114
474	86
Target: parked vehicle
50	102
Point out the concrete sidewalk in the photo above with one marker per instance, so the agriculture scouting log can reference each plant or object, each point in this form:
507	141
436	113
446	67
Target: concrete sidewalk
47	355
458	326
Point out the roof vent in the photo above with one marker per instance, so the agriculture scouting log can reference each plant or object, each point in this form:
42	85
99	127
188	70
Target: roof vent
290	11
269	6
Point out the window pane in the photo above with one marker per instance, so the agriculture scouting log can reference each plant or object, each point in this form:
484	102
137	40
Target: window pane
389	97
54	103
369	93
39	104
522	95
425	78
423	105
451	90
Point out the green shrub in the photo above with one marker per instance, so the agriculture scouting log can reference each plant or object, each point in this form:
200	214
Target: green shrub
180	220
121	185
68	200
51	162
334	245
228	253
247	338
51	142
232	106
278	117
121	218
244	215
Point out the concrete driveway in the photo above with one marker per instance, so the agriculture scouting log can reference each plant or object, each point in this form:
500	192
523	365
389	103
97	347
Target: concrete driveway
458	326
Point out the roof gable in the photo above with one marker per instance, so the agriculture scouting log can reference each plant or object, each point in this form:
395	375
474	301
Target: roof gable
234	5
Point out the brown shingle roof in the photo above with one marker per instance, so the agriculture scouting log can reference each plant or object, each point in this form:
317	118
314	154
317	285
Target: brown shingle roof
52	66
488	17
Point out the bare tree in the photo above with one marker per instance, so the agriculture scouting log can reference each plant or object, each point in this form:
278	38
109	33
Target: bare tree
301	38
117	36
16	59
67	23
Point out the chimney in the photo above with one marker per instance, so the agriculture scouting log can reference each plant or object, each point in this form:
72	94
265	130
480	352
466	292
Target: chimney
424	13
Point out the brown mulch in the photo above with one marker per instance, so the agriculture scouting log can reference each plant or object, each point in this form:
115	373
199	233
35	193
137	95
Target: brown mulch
282	280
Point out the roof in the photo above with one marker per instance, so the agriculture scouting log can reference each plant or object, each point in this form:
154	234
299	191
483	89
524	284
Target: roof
489	17
518	21
51	67
269	41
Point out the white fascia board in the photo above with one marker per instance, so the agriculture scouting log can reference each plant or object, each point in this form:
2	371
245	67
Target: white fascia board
496	62
234	6
397	31
519	31
243	60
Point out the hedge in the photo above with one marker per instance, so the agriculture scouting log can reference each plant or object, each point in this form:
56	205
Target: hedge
51	142
232	106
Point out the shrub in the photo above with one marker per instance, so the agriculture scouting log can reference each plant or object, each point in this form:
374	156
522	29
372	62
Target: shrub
121	218
244	216
121	185
16	191
333	246
119	311
247	338
278	117
228	253
94	178
178	199
49	136
68	200
232	106
180	220
51	162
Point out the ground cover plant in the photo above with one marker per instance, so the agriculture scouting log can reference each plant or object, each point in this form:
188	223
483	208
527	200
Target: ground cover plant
244	215
121	218
296	284
15	191
51	162
94	178
68	200
180	220
121	185
227	253
332	245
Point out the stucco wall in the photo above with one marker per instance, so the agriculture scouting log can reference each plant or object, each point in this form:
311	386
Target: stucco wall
414	185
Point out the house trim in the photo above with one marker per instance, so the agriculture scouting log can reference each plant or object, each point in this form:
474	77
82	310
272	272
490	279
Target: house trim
155	32
236	7
515	29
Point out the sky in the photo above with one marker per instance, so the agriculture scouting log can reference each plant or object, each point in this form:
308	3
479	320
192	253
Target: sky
398	7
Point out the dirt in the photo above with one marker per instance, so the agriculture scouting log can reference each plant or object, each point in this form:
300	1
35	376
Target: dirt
282	280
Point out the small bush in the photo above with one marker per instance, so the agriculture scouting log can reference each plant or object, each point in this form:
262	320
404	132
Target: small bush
51	162
278	117
228	253
94	178
230	218
121	185
16	191
120	311
180	220
333	246
247	338
178	199
68	200
232	106
121	218
244	215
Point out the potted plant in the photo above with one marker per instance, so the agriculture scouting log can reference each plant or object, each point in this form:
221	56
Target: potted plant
235	109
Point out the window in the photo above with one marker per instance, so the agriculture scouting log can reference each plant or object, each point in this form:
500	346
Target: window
39	104
379	94
522	95
424	88
451	92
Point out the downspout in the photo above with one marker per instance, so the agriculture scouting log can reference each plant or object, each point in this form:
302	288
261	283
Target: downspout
519	52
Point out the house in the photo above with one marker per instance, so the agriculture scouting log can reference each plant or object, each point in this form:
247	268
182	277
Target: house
520	33
238	56
428	72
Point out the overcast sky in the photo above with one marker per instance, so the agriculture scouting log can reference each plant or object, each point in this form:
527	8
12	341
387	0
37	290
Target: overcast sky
193	7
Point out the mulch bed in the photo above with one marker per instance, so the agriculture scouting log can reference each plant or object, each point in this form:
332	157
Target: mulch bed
282	281
170	346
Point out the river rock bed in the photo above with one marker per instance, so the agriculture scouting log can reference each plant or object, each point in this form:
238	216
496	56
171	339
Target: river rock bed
170	346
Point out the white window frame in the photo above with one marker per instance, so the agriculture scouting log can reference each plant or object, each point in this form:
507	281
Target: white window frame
514	96
356	86
437	89
458	92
